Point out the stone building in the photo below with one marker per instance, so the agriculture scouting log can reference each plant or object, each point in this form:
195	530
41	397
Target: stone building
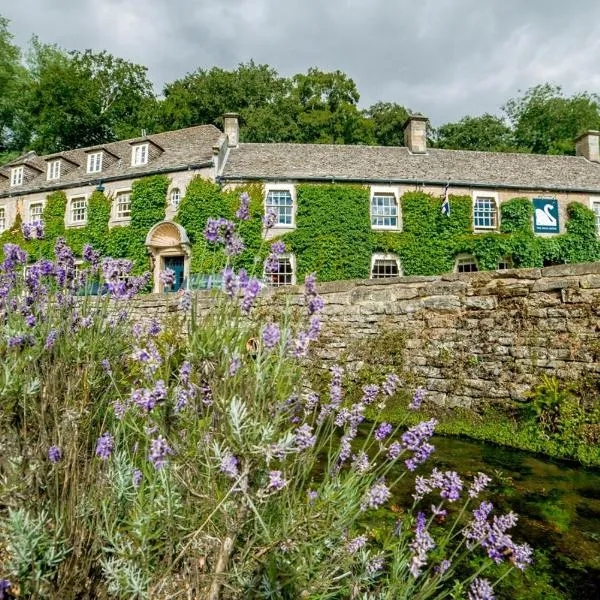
489	178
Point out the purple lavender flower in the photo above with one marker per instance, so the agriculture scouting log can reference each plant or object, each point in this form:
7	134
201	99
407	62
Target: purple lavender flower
422	543
229	465
310	288
360	463
251	291
271	335
355	544
394	450
229	281
480	589
278	248
521	556
414	437
304	437
443	567
234	245
106	365
383	431
39	229
276	480
479	484
120	409
51	339
377	496
159	451
185	302
91	256
104	446
154	328
26	230
369	394
5	586
137	478
270	219
54	454
167	277
451	486
390	384
417	399
315	328
376	564
419	457
312	496
243	212
234	365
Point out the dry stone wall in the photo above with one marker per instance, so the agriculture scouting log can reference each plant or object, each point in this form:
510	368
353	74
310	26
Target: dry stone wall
466	338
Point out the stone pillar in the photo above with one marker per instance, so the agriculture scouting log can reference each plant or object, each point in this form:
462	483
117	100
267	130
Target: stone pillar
415	133
231	126
588	145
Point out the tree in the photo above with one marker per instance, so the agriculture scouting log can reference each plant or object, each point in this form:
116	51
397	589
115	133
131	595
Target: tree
387	123
82	98
487	132
12	78
545	121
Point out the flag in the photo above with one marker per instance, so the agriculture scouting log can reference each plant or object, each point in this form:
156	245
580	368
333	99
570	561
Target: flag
446	202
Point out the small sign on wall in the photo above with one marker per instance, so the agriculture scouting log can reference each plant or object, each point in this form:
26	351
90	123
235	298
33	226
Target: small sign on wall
545	215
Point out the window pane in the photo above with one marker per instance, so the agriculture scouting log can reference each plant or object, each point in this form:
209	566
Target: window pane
383	268
78	210
466	264
280	202
384	211
123	205
485	213
596	207
35	212
2	219
283	275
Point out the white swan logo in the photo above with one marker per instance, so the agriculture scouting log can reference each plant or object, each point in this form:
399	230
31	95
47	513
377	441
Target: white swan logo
545	215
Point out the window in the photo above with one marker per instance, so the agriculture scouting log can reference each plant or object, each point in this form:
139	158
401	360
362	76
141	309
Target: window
596	209
284	273
16	175
2	219
485	212
78	210
123	205
94	164
35	212
385	265
384	211
504	263
53	169
281	203
175	197
139	155
465	263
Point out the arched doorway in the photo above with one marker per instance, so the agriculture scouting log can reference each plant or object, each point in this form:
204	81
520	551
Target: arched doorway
170	248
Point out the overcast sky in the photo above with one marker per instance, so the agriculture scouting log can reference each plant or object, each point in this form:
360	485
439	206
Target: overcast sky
445	58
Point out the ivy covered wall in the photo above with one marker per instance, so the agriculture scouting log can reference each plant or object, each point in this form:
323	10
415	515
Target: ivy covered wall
333	235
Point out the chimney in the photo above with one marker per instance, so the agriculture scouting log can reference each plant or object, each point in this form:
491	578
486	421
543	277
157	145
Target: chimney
588	145
231	126
415	133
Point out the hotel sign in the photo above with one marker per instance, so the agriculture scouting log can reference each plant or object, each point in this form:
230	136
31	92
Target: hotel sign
545	215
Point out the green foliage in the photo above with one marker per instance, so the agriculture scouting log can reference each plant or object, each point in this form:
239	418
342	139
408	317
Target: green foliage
487	133
516	216
387	121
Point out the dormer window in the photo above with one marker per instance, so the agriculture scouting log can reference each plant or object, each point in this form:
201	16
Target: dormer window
53	170
16	175
94	162
139	155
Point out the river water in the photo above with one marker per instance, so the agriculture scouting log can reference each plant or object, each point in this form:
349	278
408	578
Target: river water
559	515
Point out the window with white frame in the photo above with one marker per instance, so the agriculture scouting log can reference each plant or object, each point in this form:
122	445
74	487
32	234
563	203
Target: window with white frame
175	197
2	219
284	273
94	163
123	205
384	266
139	155
78	212
485	212
35	212
504	263
281	203
53	170
16	175
596	209
465	263
384	211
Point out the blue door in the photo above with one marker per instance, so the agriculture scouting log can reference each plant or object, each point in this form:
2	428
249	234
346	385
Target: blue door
175	263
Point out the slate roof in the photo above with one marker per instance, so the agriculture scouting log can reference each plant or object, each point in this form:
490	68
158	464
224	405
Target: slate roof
181	149
398	165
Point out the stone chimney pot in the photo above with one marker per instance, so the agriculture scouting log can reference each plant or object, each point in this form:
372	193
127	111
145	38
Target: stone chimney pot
588	145
415	133
231	126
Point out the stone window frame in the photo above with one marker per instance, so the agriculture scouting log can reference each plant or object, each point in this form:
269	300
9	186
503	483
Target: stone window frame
115	206
505	260
385	190
172	197
468	259
144	154
53	170
291	258
385	256
3	218
595	202
30	205
17	175
77	198
92	161
486	194
282	187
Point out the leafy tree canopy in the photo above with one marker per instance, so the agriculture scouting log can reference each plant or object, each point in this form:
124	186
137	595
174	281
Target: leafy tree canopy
487	133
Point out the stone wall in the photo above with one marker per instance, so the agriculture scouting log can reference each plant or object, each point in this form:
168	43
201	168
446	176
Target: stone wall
466	338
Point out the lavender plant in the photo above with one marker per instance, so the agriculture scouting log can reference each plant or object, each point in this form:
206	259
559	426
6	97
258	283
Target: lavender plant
203	465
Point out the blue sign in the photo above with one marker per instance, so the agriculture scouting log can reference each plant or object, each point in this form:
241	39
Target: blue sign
545	215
